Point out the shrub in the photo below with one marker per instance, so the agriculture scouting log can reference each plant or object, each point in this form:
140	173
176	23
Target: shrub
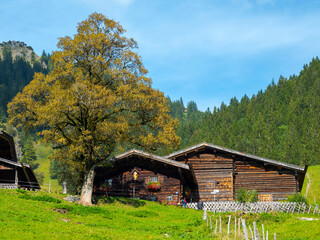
43	198
243	195
19	190
64	206
143	214
78	209
297	197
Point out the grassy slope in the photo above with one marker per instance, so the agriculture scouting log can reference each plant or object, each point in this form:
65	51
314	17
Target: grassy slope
43	153
22	218
314	190
30	219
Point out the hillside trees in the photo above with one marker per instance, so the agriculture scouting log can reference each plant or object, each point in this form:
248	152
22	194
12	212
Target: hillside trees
281	122
97	99
15	74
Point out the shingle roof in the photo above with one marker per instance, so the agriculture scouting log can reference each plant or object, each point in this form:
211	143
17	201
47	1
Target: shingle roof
212	146
151	156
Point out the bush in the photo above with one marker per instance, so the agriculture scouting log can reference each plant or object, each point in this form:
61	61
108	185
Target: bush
19	190
43	198
143	214
243	195
297	197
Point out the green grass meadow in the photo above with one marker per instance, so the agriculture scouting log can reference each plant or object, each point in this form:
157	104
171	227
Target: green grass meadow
43	152
40	215
314	190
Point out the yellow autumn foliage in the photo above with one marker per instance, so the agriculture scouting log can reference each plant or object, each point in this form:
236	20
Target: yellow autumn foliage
96	99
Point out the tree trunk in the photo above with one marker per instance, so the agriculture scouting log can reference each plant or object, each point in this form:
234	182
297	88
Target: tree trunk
86	191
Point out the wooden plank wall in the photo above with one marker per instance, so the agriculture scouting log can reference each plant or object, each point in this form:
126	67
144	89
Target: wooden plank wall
125	183
210	167
250	174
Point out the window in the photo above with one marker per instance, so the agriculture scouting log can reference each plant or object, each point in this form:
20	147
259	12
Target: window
153	179
169	198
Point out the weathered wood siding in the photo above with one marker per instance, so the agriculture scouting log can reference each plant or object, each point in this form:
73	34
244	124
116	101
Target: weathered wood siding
231	172
123	185
266	179
212	171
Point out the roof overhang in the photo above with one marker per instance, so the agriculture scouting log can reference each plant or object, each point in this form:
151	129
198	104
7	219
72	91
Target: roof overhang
18	164
135	152
227	150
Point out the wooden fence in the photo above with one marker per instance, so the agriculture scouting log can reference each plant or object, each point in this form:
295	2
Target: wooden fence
258	207
233	229
8	186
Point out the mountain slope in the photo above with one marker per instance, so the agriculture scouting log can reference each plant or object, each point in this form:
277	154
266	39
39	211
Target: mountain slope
280	123
19	50
18	63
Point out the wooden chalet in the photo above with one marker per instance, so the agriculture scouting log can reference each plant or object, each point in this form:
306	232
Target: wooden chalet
14	174
118	179
203	172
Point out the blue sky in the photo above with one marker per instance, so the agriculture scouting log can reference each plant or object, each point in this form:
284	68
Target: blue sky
205	51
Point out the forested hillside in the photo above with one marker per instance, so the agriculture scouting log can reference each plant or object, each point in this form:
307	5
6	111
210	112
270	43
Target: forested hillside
280	123
18	63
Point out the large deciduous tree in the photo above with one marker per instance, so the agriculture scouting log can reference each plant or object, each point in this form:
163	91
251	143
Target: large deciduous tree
96	99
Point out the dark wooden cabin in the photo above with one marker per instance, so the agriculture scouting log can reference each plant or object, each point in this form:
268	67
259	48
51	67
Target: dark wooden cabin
200	173
13	173
118	179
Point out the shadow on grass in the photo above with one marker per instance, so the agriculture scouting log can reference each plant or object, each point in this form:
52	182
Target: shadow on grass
127	201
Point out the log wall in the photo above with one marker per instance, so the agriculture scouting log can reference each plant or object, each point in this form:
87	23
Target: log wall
212	171
266	179
231	172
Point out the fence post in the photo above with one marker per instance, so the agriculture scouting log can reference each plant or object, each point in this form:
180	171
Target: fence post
229	225
256	231
205	215
245	231
251	232
220	230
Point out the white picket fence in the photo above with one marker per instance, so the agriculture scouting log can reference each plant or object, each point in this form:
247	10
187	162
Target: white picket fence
258	207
